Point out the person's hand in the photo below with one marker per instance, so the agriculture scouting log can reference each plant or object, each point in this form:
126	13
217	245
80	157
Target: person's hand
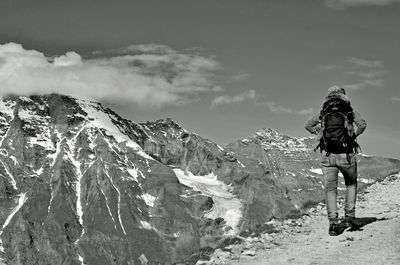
317	128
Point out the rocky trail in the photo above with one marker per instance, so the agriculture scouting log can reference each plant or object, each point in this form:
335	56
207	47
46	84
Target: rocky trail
306	240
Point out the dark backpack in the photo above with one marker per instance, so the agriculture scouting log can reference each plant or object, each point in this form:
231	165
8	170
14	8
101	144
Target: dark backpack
337	127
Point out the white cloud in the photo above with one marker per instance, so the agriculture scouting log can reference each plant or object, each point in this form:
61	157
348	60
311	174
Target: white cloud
240	77
275	108
343	4
148	75
369	72
328	67
279	109
150	48
252	95
248	95
366	74
375	82
365	63
365	84
70	58
356	86
308	111
397	99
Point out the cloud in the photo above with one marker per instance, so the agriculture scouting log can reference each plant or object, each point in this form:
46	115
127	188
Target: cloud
240	77
248	95
377	83
149	75
365	63
343	4
279	109
150	48
275	108
369	72
328	67
252	95
308	111
397	99
366	74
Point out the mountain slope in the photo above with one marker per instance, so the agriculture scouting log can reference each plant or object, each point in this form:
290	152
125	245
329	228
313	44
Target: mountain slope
76	186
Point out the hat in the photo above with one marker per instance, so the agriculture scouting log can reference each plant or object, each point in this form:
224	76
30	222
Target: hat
336	90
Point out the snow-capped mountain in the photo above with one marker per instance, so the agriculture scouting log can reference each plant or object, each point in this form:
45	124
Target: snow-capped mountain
77	188
81	185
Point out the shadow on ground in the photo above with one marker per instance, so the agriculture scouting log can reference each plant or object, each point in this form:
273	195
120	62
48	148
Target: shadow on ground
358	224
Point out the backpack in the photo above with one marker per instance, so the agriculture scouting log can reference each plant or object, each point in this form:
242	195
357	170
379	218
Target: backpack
337	127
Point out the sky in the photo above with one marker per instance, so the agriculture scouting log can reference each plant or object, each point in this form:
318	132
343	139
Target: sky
221	68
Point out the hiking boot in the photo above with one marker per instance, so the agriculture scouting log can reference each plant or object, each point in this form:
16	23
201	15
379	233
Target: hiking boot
350	221
333	229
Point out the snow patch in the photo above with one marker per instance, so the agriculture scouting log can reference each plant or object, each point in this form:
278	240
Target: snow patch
39	171
38	140
6	108
149	199
71	148
100	119
366	181
21	200
54	155
119	201
26	99
246	141
81	259
241	164
226	205
317	171
146	225
14	159
133	172
13	182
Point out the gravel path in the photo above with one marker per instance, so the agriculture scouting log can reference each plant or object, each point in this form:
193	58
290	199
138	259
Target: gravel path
306	240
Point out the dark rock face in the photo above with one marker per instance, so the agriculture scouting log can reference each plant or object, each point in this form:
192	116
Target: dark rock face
81	185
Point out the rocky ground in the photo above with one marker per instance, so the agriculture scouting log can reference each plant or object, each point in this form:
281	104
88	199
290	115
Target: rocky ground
306	240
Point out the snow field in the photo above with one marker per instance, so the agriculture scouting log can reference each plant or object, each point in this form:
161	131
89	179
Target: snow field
226	205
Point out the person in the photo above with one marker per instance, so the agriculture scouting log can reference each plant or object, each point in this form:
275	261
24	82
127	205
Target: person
334	126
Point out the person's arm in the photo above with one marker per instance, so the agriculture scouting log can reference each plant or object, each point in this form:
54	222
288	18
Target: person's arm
312	123
360	123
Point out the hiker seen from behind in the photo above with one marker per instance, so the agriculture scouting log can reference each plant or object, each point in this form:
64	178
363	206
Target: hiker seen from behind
334	126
